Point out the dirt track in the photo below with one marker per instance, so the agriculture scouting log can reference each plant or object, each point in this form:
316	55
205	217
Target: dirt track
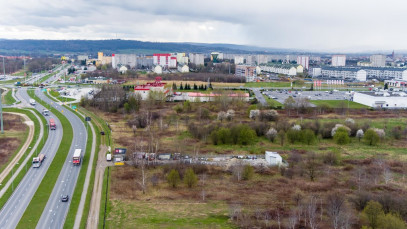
93	217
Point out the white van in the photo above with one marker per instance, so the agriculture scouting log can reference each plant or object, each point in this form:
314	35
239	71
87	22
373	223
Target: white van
109	157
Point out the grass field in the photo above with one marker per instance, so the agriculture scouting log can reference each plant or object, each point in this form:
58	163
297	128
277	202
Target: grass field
268	84
338	104
35	208
56	95
273	103
8	99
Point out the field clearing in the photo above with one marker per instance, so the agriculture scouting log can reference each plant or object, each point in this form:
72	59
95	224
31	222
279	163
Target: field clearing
14	134
339	104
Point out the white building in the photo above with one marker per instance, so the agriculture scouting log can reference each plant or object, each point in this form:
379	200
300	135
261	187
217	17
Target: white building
273	158
158	69
183	68
182	58
239	60
304	61
316	72
381	99
197	59
124	59
344	73
338	60
285	69
378	60
165	60
251	60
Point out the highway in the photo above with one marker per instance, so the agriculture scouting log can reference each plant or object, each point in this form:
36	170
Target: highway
13	210
55	211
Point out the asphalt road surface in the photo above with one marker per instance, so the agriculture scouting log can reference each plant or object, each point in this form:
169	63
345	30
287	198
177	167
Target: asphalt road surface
13	210
55	211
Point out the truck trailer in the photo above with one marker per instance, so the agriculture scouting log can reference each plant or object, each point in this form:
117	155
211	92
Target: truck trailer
37	161
52	125
77	157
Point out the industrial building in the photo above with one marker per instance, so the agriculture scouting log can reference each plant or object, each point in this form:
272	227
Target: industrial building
381	99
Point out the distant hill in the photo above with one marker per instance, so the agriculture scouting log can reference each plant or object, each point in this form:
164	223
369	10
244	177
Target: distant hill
46	47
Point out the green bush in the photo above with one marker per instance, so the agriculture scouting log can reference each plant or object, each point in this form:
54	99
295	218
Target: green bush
308	136
341	136
373	212
173	178
371	137
391	221
248	172
190	178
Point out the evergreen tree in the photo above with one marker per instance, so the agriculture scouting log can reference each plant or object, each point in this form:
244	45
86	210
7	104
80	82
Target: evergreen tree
174	86
205	88
195	87
180	87
210	85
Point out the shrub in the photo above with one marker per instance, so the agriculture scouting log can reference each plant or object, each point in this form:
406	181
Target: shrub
296	127
178	108
190	178
187	106
260	127
373	211
359	134
173	178
271	134
337	126
380	133
230	114
331	158
246	136
397	132
248	172
371	137
221	115
254	114
341	136
293	136
391	221
268	115
308	136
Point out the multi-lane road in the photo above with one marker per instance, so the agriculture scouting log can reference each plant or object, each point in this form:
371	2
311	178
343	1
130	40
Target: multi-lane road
55	211
13	210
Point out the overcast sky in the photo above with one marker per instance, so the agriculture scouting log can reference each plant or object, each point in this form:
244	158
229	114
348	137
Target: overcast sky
318	25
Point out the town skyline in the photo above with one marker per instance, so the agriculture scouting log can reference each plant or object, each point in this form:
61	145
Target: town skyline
344	26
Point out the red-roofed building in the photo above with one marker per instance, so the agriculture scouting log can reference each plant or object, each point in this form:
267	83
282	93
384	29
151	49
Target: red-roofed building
145	89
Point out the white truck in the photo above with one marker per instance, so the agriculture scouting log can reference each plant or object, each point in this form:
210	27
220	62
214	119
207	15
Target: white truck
37	161
77	157
32	102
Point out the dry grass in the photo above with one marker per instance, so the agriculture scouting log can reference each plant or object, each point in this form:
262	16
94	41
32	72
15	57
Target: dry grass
14	130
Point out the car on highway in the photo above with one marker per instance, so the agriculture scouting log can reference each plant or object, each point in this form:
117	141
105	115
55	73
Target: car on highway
64	198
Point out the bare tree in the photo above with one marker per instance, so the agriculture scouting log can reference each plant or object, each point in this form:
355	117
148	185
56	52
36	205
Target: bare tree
311	165
292	219
312	212
387	175
335	202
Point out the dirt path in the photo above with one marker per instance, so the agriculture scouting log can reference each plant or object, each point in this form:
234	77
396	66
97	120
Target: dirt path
23	149
93	217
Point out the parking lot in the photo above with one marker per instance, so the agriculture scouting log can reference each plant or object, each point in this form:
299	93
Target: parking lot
282	95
